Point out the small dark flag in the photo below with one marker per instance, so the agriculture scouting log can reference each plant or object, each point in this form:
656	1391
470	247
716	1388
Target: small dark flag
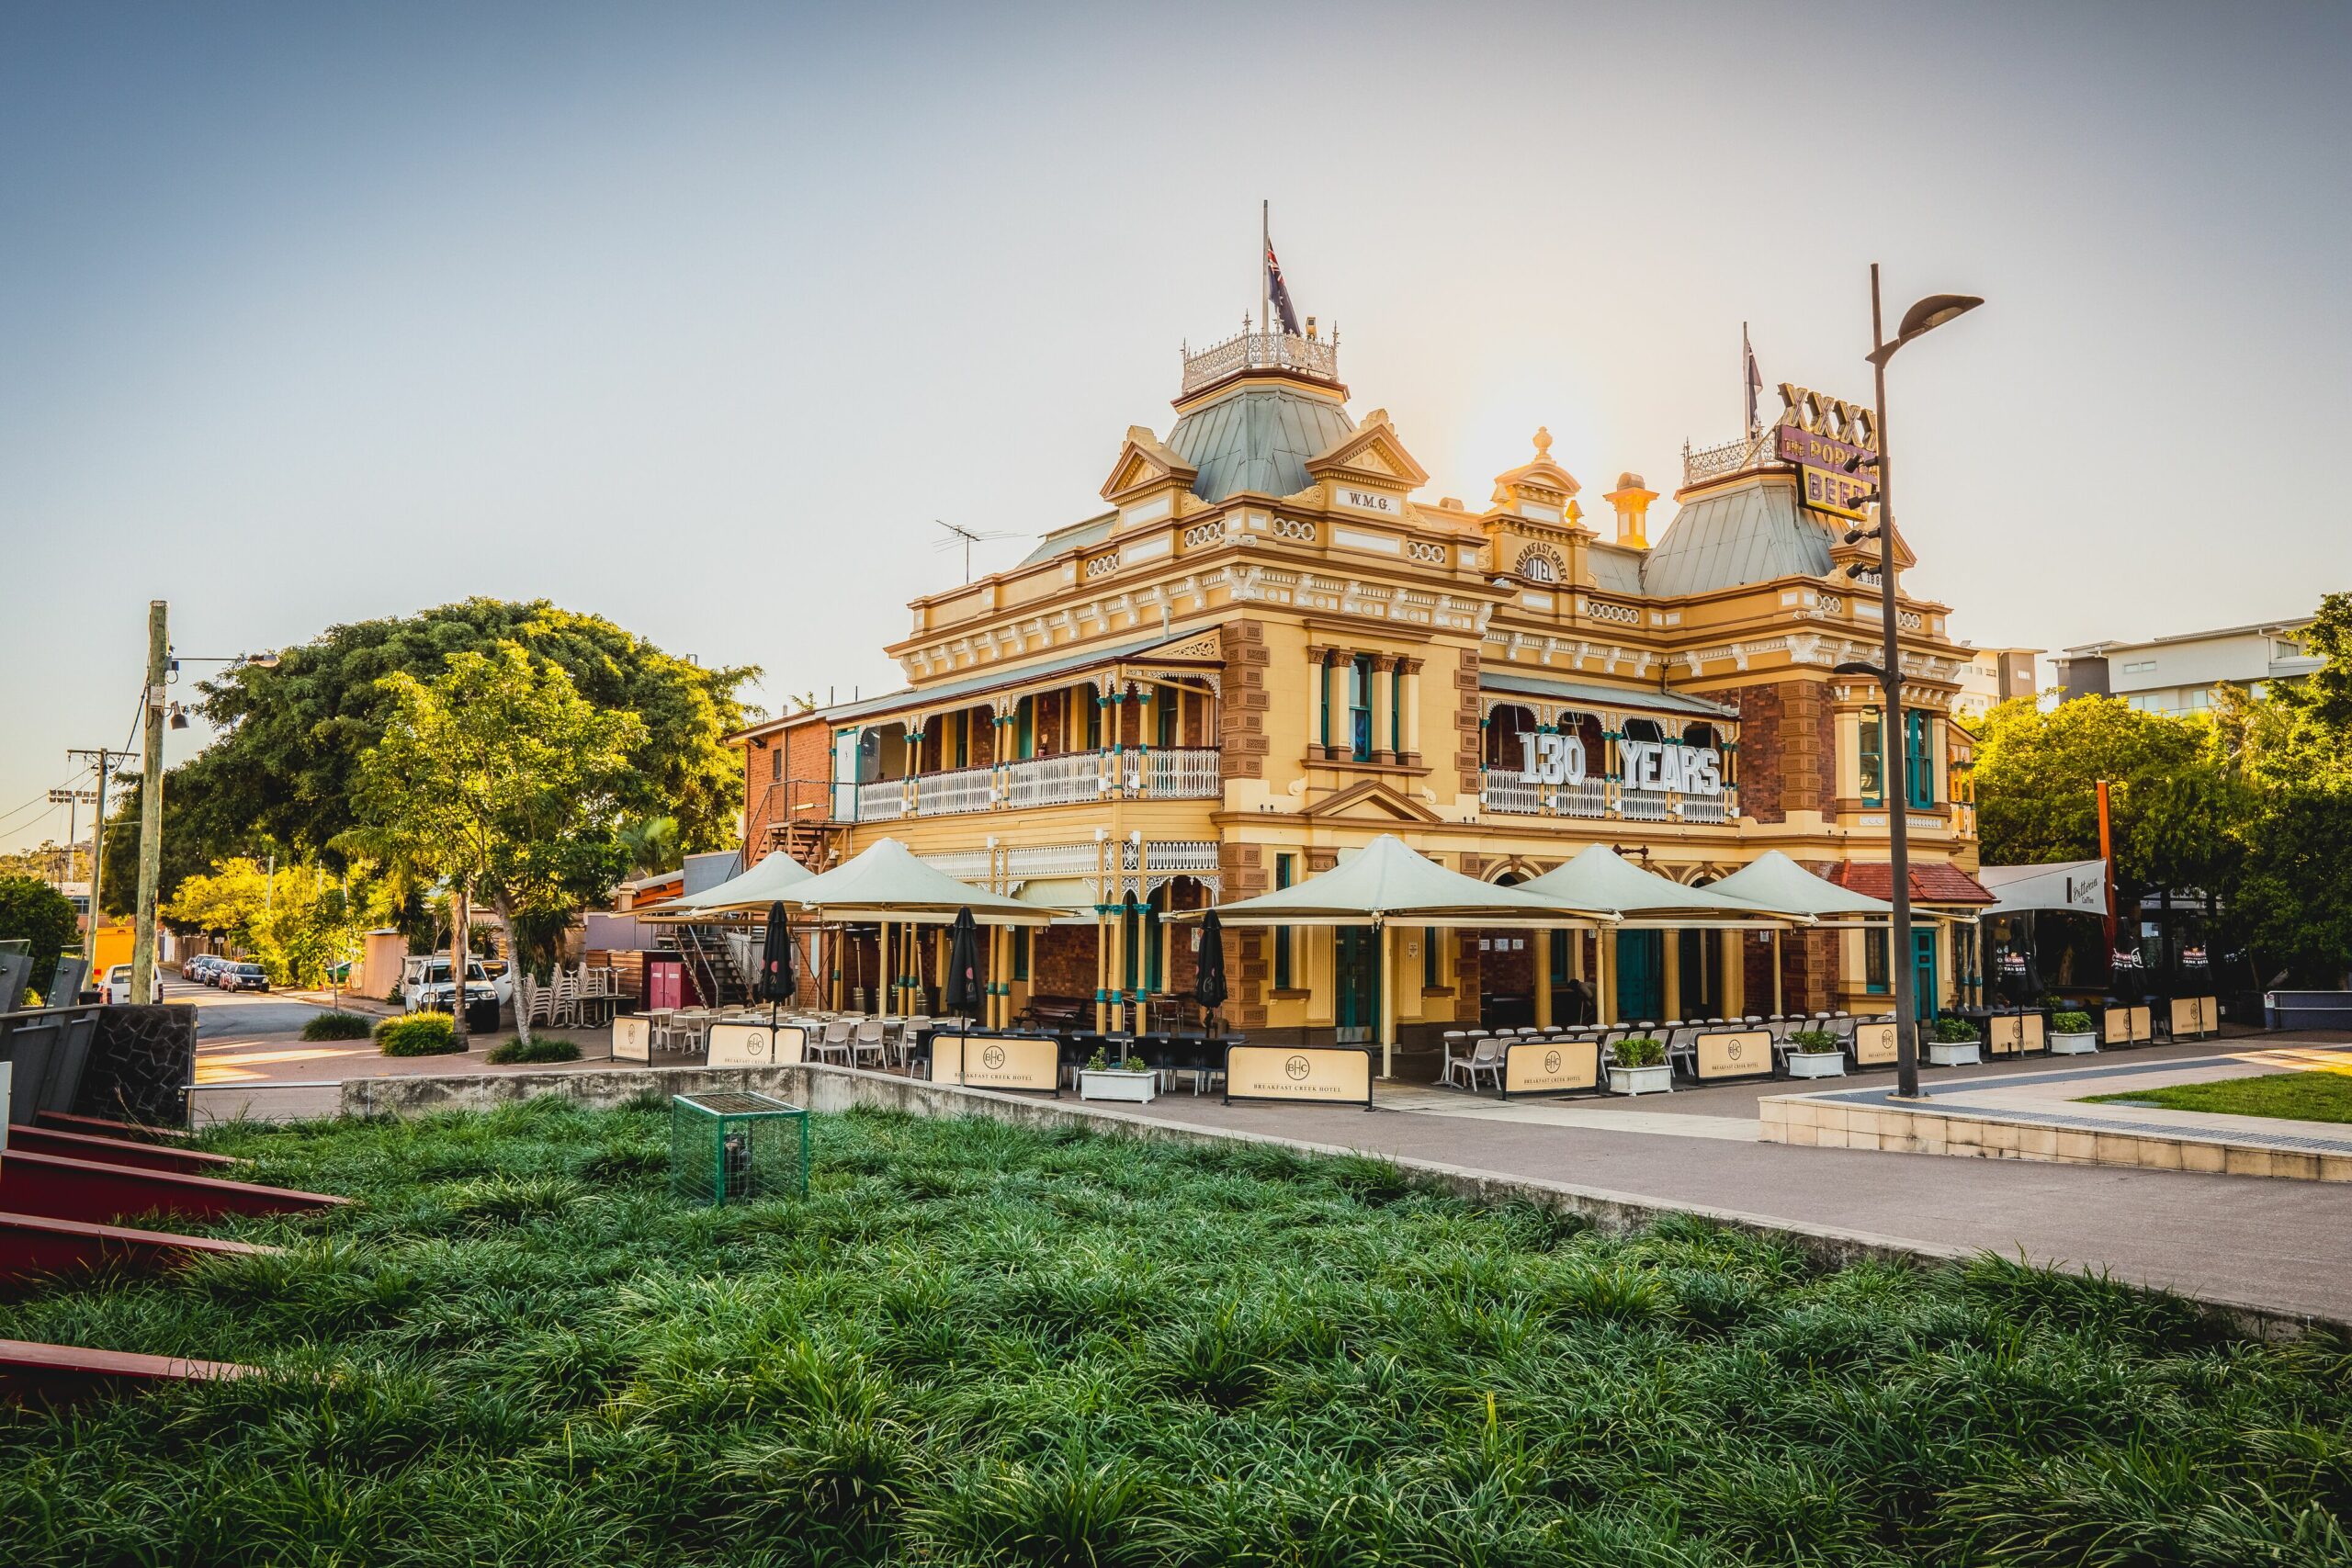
1280	292
1754	377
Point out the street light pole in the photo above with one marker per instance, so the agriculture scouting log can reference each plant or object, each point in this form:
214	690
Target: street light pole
1891	727
151	807
1895	786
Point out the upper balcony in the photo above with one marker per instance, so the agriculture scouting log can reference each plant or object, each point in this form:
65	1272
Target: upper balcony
1312	357
1076	778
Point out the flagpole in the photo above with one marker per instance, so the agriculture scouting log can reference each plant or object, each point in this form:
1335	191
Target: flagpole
1746	382
1265	243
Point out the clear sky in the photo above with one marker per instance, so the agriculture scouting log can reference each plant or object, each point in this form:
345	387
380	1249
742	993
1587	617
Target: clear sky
696	316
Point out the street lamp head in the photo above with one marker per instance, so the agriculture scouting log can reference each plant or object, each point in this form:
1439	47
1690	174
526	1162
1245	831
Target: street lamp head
263	660
1924	318
1853	667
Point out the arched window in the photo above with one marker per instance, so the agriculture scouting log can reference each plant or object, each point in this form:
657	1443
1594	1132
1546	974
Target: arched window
1504	751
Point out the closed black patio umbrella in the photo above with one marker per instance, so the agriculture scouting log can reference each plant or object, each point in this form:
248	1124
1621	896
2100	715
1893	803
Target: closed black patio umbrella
964	966
1209	973
778	980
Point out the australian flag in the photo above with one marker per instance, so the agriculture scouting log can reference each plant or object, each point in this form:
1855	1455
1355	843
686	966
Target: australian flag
1280	292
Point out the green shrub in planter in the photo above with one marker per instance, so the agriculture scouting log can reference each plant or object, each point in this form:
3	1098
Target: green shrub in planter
338	1026
1813	1041
1954	1031
540	1050
418	1035
2070	1023
1641	1051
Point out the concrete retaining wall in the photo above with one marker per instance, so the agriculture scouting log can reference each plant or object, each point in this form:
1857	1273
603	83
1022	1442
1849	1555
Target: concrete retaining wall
832	1089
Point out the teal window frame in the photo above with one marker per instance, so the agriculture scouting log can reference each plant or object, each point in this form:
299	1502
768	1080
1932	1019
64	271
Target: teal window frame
1094	722
1432	971
1872	747
1283	864
1020	952
1918	766
1397	709
1323	703
1875	969
1360	745
1167	713
1025	729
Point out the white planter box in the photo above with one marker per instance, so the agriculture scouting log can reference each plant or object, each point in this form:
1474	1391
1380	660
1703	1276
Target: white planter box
1816	1064
1954	1052
1642	1080
1112	1083
2084	1044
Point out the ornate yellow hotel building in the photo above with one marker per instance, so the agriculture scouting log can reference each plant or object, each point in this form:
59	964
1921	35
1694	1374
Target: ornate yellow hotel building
1271	645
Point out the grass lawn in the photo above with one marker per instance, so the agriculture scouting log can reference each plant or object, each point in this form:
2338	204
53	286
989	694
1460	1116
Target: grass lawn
974	1345
2313	1094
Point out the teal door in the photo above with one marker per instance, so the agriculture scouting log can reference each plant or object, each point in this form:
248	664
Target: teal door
1923	964
1356	973
1641	976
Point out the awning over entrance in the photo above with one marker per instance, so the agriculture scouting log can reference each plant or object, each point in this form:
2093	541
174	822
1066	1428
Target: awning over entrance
750	893
1600	878
1774	882
2077	886
1389	880
1932	882
1068	899
888	883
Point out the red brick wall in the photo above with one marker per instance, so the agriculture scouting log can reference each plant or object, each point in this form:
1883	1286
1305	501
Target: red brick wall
1249	958
1788	750
1062	962
1465	722
807	745
1241	715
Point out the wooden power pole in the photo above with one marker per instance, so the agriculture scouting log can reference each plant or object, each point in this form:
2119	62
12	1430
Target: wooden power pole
150	808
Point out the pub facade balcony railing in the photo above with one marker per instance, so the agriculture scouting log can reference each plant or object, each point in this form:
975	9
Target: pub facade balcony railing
1186	773
1595	798
1758	451
1262	351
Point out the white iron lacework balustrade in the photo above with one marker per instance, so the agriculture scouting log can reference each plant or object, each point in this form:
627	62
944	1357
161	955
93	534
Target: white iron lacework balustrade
882	801
1515	796
954	794
1054	781
1643	804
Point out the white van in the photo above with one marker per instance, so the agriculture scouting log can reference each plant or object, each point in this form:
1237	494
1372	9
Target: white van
118	989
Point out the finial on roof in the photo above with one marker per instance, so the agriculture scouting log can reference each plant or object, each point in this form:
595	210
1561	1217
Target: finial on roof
1544	442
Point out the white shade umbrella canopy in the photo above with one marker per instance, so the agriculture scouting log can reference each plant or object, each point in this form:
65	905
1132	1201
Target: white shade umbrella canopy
1773	882
888	882
1600	878
2074	886
752	892
1389	880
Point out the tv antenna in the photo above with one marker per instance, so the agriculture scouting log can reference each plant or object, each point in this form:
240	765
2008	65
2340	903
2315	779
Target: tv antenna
965	537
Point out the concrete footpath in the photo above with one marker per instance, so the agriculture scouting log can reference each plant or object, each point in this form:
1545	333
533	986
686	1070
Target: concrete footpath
2280	1246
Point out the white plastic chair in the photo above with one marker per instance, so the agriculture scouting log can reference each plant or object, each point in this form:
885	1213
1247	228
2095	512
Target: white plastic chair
1487	1058
868	1038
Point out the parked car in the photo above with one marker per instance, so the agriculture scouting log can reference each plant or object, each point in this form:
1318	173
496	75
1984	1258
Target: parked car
243	977
425	984
202	968
119	985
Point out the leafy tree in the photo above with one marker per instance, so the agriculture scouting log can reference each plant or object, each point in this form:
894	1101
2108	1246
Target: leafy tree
283	774
52	862
503	778
652	845
299	921
34	912
2291	903
2170	797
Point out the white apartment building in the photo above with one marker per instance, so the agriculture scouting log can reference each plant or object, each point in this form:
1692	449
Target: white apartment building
2177	674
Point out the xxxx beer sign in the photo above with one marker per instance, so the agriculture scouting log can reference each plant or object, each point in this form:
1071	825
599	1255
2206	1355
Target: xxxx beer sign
1821	435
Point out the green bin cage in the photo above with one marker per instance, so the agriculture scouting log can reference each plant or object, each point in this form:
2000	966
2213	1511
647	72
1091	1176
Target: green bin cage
726	1147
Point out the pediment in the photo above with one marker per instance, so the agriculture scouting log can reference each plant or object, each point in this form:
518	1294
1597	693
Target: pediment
1372	451
1371	800
1144	461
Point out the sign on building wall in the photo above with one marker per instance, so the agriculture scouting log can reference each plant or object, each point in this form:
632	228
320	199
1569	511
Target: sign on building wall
1648	764
1821	435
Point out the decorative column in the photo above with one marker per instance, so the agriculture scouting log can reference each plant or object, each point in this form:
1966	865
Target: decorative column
1673	1003
1543	939
1605	985
1408	745
1384	704
1318	716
